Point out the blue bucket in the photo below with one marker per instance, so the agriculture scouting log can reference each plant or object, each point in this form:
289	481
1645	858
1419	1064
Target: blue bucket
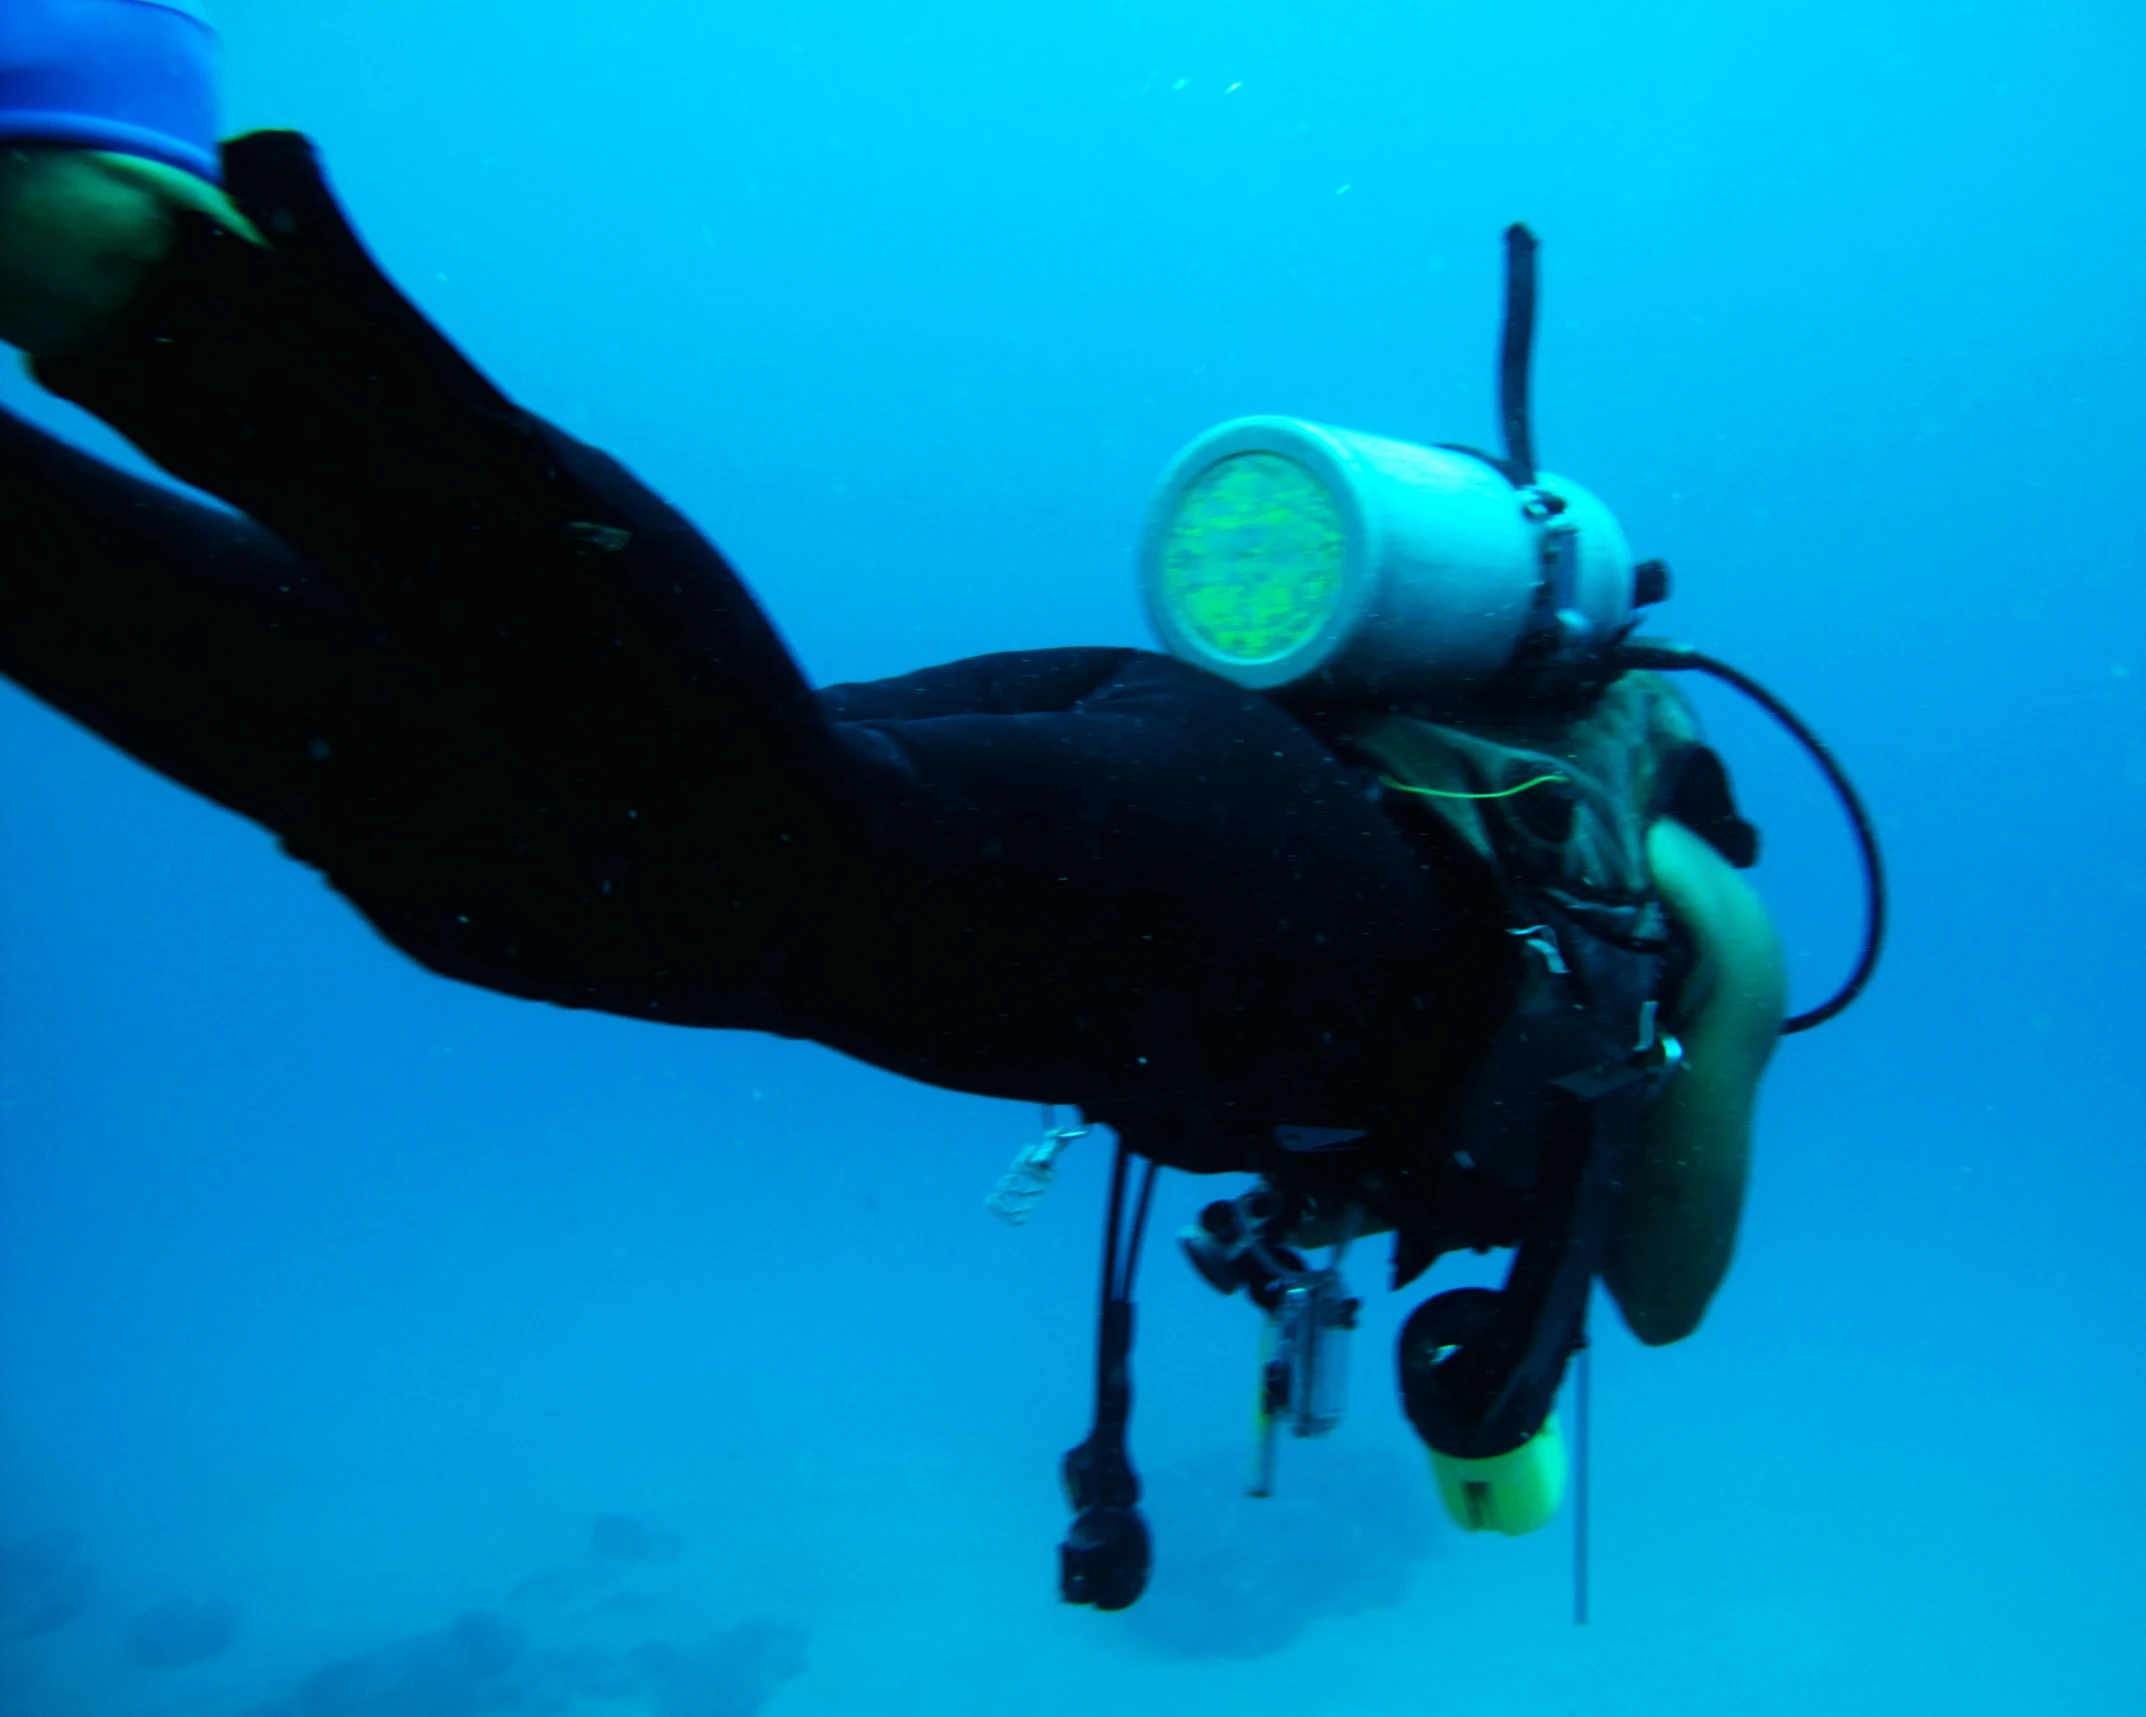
133	76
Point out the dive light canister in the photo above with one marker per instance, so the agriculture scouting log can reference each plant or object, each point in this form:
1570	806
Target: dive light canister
1279	551
1512	1493
136	77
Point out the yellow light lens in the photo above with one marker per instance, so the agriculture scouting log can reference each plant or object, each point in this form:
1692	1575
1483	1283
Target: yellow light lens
1252	559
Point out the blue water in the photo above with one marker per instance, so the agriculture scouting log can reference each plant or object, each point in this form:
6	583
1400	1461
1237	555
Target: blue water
350	1298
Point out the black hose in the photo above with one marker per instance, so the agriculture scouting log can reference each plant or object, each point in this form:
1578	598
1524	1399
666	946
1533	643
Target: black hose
1518	355
1661	654
1130	1264
1106	1361
1121	1259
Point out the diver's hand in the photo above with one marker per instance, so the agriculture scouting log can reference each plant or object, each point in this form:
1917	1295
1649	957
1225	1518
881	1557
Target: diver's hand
80	229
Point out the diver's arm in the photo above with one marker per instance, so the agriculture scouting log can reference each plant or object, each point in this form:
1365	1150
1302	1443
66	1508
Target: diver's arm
1677	1227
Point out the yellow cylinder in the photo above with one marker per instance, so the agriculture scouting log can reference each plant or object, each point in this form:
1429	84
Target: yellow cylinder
1510	1493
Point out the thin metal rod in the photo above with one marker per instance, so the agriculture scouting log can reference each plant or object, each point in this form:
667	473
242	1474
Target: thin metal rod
1582	1412
1129	1265
1662	653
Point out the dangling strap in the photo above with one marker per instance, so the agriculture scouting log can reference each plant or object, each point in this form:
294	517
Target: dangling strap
1479	1369
1104	1560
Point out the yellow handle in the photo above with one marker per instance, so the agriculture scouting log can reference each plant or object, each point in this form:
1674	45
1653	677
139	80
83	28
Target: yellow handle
1511	1493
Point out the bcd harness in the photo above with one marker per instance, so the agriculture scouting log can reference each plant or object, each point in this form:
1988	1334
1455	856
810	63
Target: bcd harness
1558	812
1535	1148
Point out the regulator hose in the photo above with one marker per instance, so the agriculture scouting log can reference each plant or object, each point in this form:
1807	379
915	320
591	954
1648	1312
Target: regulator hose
1663	654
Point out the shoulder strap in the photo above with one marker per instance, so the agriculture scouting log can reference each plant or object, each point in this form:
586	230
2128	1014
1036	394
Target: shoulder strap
1480	1367
1564	800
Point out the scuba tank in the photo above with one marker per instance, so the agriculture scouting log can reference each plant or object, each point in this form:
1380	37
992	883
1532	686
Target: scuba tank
1281	553
1284	554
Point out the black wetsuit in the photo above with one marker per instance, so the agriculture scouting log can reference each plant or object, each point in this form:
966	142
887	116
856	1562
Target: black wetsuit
530	723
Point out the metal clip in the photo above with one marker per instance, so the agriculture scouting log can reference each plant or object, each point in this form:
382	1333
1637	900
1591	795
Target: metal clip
1021	1188
1543	940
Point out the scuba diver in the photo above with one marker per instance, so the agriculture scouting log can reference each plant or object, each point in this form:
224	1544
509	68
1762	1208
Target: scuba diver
1403	881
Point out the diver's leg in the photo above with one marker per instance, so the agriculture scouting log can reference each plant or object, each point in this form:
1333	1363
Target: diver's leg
1106	887
668	780
186	636
602	637
197	642
1105	874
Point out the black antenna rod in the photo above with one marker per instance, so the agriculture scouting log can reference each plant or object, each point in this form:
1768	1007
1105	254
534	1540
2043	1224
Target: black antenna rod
1520	248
